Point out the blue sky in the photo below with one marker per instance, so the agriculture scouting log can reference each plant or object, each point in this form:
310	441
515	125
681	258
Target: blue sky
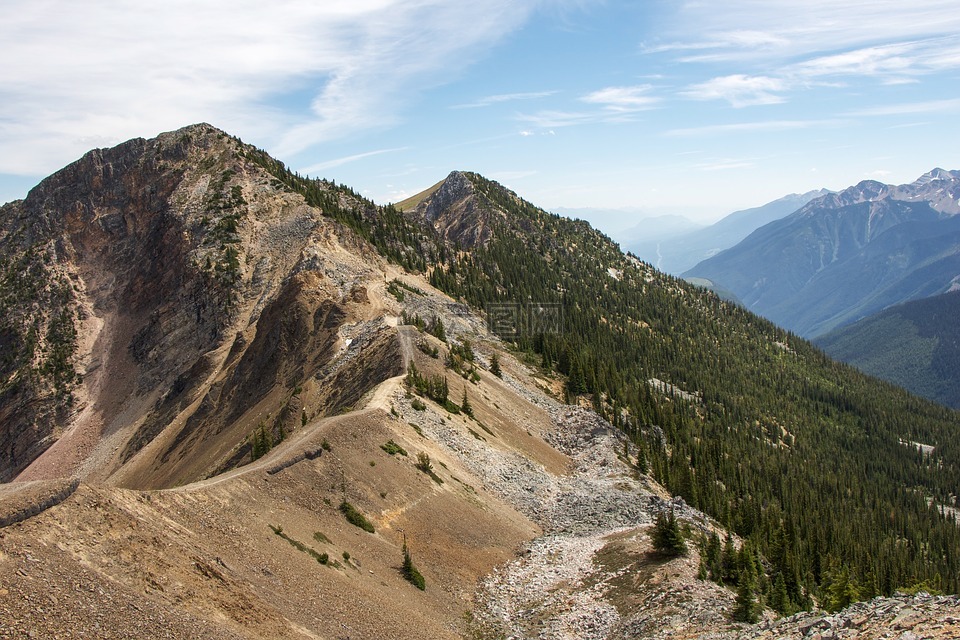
698	108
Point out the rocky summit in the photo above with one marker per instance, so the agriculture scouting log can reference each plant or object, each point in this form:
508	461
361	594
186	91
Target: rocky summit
232	406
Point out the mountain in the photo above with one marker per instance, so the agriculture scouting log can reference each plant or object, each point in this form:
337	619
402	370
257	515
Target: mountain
652	230
741	389
241	403
150	291
915	345
679	252
847	255
614	222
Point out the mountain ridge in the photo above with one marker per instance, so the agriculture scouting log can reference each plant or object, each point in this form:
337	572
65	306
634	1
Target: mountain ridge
846	255
552	384
679	253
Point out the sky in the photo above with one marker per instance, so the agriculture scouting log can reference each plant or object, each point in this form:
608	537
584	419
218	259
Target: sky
652	107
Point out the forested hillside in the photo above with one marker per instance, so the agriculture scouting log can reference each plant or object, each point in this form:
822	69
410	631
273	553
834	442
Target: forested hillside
798	453
915	345
801	455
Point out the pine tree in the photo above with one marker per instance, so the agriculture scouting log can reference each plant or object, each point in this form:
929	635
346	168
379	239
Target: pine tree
779	600
728	562
410	571
667	537
465	405
495	366
747	608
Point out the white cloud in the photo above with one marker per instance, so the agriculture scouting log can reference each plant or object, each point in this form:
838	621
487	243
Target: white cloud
801	43
504	97
724	165
763	126
329	164
739	90
928	106
623	99
112	69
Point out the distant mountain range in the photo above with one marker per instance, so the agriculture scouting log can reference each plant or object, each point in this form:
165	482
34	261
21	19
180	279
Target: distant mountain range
847	255
685	247
915	345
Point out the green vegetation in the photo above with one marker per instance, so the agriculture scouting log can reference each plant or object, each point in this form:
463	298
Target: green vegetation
354	517
410	572
38	335
396	289
796	453
264	438
397	238
495	366
433	387
666	536
462	360
465	405
425	465
393	448
322	558
435	328
915	345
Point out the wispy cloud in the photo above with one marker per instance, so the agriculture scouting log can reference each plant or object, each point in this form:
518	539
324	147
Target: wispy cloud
823	41
329	164
905	108
112	69
762	126
739	90
611	105
724	165
623	99
504	97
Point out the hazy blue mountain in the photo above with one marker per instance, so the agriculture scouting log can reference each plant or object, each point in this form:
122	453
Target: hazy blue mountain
678	252
629	224
847	255
915	345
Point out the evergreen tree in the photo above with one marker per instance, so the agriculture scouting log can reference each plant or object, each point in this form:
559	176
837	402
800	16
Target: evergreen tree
840	588
667	537
410	571
495	366
779	601
729	569
465	405
747	608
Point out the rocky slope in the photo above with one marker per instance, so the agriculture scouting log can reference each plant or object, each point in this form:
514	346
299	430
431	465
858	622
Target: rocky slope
207	377
170	294
847	255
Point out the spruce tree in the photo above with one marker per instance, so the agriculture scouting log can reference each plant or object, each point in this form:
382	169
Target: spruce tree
410	572
495	366
747	608
667	537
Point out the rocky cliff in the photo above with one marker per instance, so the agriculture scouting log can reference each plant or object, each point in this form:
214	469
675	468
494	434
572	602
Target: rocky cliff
169	289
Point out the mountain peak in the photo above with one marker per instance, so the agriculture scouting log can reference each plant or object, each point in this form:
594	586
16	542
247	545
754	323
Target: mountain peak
455	209
938	174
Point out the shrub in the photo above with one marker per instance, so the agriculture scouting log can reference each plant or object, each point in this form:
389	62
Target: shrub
393	448
355	518
410	571
424	464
